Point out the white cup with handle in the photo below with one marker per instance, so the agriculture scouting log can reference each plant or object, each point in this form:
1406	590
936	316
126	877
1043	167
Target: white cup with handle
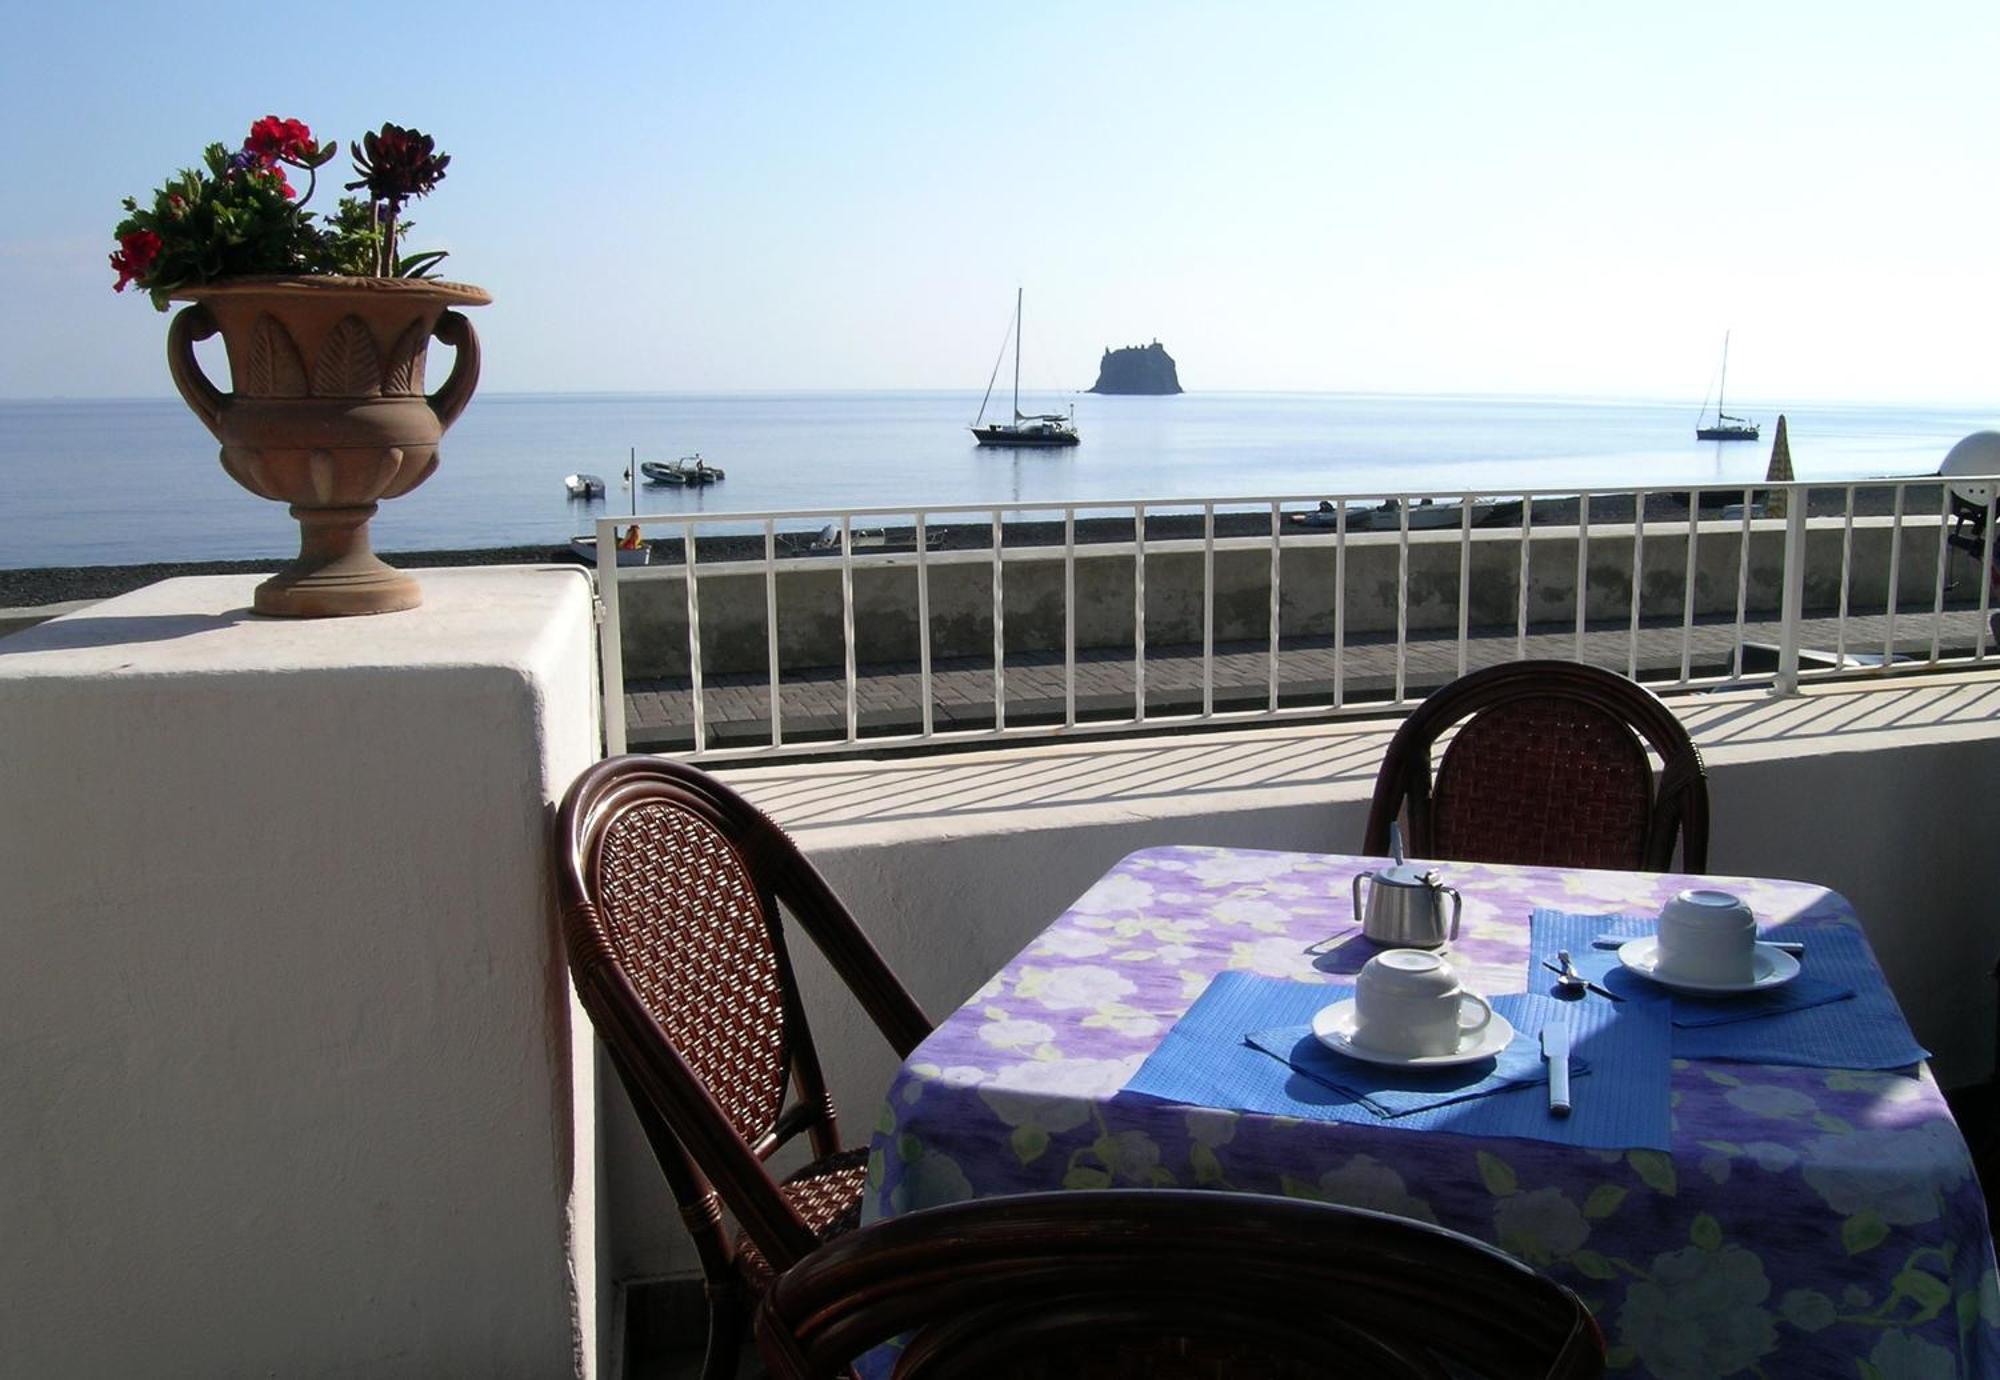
1708	936
1409	1002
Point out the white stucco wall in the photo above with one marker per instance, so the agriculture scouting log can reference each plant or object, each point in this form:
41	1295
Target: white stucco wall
285	1046
1880	791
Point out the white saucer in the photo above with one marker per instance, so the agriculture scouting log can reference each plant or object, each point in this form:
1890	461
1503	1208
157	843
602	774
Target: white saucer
1334	1028
1773	967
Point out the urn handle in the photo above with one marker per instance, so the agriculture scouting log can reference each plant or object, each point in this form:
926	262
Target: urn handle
192	324
450	399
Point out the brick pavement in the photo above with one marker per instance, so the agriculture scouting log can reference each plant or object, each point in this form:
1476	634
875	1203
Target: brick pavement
659	714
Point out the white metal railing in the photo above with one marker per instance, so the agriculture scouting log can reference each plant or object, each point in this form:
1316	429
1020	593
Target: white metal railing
1691	651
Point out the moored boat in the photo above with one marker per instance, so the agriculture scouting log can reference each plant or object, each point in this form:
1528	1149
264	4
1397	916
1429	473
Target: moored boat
1424	514
584	485
586	547
690	471
1039	429
1725	427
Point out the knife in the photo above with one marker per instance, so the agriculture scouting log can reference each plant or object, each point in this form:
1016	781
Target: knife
1555	1049
1790	946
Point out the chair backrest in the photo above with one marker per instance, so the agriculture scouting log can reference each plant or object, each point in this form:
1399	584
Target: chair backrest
670	885
1171	1283
1549	767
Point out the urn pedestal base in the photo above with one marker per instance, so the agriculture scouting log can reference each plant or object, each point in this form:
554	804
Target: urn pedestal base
337	574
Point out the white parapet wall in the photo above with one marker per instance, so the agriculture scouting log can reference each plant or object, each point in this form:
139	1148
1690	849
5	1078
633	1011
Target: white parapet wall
287	1062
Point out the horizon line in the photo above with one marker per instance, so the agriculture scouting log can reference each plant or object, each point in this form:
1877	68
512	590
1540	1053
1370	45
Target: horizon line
1929	404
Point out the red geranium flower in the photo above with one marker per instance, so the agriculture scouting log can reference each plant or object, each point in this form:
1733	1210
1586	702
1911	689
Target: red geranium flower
272	139
135	255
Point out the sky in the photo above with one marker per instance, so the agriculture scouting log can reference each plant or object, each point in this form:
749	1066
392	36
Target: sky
1540	199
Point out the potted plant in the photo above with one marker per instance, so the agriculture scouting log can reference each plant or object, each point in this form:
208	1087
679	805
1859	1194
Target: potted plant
326	326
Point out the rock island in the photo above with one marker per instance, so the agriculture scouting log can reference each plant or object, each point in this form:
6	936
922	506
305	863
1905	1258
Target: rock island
1137	369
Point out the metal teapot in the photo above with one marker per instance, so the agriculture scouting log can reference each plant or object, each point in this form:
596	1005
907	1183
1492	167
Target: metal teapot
1405	907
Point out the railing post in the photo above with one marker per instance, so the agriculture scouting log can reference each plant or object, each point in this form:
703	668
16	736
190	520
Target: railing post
610	640
1794	594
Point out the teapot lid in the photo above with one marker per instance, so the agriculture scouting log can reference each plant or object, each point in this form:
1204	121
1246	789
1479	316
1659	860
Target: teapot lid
1408	874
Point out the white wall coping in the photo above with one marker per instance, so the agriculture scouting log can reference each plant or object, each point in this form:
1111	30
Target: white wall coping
853	804
184	625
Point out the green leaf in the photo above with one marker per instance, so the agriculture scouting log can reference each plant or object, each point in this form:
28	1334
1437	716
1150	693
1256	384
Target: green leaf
1299	1188
1655	1169
1593	1266
908	1148
1723	1147
1968	1312
1867	1369
1706	1232
1930	1292
1808	1310
1163	1177
1728	1080
1029	1142
1621	1357
885	1120
1498	1174
1603	1200
1083	1177
1832	1125
1863	1231
419	265
1207	1168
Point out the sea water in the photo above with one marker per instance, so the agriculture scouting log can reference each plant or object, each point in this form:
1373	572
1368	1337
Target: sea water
122	482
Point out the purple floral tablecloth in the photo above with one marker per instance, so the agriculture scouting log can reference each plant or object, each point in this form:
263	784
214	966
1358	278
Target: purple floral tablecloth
1808	1222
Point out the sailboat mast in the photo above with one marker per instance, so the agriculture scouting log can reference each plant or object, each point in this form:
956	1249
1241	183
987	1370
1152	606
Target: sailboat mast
1017	354
1722	388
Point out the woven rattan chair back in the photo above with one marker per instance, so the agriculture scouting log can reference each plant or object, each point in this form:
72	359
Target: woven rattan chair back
1548	767
674	892
693	933
1170	1284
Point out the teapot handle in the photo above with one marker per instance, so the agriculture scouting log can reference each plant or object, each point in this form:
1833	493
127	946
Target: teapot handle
456	391
1359	878
195	323
1457	905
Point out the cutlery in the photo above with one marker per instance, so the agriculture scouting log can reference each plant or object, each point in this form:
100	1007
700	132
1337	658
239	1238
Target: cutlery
1790	946
1570	980
1555	1049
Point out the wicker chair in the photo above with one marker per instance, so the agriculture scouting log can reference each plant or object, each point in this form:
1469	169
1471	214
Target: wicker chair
1171	1285
670	885
1547	769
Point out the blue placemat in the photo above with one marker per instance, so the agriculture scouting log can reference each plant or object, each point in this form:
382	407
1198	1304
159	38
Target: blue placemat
1206	1060
1842	1015
1390	1092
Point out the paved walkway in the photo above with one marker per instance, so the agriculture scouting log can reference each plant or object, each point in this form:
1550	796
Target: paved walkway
888	697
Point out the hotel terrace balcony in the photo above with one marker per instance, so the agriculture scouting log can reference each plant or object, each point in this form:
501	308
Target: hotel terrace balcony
298	1084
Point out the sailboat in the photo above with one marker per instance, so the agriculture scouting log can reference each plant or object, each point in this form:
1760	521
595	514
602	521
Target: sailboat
1726	427
1038	429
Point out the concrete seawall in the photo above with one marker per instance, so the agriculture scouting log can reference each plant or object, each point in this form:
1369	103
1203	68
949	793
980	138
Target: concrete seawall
1320	587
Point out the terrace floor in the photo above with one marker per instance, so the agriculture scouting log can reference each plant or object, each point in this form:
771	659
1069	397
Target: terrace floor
659	714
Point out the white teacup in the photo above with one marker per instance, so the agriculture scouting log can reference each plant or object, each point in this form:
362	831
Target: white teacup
1708	936
1410	1002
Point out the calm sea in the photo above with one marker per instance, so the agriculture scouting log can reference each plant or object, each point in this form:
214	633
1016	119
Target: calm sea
112	483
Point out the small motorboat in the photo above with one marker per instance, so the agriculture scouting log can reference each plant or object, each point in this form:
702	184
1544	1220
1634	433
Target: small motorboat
688	472
628	555
584	485
1359	515
1387	517
826	541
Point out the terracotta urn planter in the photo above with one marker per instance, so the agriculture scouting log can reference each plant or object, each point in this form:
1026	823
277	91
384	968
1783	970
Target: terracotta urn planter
327	412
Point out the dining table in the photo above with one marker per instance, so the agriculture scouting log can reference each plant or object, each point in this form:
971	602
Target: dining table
1770	1185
